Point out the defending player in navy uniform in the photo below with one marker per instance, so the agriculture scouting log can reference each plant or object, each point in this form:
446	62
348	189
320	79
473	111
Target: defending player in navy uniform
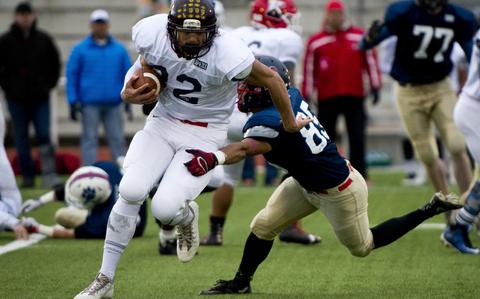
200	67
467	119
426	31
321	180
89	193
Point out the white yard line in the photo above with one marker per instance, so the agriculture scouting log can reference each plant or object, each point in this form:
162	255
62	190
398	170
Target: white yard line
19	244
431	226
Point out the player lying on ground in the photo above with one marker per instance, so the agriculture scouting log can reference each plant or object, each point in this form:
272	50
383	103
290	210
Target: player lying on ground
321	180
90	193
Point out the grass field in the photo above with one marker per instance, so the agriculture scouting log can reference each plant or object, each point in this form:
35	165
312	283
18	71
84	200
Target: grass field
417	266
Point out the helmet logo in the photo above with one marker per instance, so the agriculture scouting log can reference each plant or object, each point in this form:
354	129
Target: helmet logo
88	194
192	23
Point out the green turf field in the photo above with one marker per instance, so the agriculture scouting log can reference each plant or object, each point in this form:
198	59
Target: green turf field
417	266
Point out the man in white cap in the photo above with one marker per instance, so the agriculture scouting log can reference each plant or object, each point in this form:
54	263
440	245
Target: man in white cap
95	72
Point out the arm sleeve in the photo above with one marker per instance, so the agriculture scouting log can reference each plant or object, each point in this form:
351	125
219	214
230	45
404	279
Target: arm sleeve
7	220
136	66
73	75
373	69
263	133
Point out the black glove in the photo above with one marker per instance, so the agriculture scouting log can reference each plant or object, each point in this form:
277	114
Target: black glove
75	109
375	96
128	111
374	30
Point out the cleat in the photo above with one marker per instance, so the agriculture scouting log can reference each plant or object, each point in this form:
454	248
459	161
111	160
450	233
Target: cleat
440	203
215	237
457	237
188	238
169	247
228	287
101	287
294	234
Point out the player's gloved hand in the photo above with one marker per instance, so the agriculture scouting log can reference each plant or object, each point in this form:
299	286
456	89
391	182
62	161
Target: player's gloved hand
75	110
201	163
30	224
128	111
30	205
375	96
374	30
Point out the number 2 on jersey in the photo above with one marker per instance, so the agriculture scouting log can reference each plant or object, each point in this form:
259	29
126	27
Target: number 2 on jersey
428	33
312	130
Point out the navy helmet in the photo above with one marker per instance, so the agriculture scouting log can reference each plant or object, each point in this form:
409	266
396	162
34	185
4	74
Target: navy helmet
251	97
196	16
432	6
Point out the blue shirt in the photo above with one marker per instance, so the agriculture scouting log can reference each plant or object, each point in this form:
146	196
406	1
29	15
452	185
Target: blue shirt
308	155
95	73
425	41
95	226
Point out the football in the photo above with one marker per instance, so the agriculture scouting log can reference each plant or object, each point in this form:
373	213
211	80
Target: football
148	75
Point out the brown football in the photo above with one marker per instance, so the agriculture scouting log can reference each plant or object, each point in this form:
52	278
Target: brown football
148	75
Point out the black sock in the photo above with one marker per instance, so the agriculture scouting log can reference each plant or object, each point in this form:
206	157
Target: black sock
392	229
216	223
255	252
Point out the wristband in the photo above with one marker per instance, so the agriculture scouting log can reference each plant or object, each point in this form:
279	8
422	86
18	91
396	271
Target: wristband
46	230
221	157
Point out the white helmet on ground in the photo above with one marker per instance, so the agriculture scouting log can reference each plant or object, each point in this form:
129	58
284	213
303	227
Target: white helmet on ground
87	187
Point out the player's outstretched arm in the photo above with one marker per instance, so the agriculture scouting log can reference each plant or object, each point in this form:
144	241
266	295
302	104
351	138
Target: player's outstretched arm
202	162
33	204
261	75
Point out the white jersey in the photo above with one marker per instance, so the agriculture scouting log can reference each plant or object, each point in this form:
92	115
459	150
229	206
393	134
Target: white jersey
472	86
281	43
200	89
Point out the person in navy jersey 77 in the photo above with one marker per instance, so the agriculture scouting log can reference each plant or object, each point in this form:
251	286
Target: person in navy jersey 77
321	180
426	31
81	222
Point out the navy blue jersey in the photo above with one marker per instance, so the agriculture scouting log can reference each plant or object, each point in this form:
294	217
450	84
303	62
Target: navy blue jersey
308	155
425	41
95	226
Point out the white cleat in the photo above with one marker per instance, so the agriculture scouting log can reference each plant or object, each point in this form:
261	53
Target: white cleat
101	287
188	236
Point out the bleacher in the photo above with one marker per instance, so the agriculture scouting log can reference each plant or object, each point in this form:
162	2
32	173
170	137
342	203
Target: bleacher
67	22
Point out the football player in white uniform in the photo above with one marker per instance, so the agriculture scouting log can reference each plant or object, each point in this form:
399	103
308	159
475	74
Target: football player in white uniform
272	32
10	198
200	67
466	116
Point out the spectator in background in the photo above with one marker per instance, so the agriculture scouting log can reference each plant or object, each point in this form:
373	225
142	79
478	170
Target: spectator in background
95	72
333	78
10	198
29	69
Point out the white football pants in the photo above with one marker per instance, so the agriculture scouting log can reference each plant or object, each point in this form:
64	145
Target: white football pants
158	151
467	120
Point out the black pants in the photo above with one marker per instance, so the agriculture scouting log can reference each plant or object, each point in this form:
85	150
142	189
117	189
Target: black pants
353	109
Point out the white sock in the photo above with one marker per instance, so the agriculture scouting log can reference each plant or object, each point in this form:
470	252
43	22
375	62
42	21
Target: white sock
123	220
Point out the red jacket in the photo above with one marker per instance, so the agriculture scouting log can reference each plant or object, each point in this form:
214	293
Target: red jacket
334	65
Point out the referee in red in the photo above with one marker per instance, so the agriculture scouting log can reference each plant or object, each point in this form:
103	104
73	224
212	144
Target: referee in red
333	78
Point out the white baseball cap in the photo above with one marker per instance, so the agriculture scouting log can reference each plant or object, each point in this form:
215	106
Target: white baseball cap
99	15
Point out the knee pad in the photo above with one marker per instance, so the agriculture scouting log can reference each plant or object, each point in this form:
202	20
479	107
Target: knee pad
133	189
455	143
262	228
427	153
70	217
170	212
361	251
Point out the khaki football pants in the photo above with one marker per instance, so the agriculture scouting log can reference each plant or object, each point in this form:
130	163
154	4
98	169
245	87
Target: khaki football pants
346	211
420	106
